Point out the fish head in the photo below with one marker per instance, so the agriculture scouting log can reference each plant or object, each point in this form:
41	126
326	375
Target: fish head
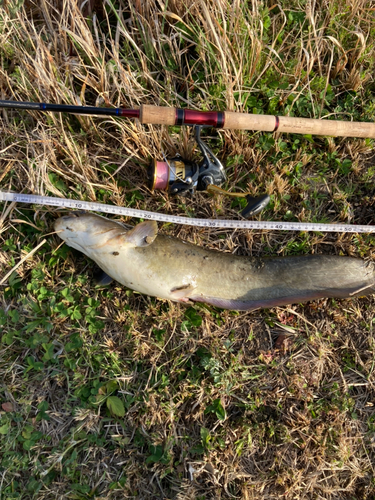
91	233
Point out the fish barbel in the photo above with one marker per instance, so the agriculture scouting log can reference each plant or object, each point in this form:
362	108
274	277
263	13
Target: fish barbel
169	268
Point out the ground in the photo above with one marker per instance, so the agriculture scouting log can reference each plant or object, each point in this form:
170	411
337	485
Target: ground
110	394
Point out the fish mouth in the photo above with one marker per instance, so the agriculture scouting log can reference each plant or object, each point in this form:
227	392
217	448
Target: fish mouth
76	245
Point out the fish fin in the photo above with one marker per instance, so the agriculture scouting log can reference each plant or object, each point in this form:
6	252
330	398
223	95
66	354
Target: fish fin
232	304
251	305
181	293
142	234
102	278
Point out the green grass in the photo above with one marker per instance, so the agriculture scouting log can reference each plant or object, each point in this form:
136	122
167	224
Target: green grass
107	393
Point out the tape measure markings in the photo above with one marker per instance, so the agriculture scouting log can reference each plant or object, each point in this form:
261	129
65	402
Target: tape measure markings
177	219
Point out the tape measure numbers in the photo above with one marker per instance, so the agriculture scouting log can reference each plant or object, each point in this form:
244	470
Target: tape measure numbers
177	219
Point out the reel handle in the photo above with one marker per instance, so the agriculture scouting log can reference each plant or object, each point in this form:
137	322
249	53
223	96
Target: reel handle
255	205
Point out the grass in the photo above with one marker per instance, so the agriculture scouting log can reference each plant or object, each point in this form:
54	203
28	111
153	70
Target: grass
107	393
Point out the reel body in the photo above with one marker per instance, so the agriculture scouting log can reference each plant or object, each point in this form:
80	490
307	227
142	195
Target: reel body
179	176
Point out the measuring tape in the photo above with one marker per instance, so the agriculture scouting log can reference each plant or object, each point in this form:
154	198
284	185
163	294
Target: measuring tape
176	219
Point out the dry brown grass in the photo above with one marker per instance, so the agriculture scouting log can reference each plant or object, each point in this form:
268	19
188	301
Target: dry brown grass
296	383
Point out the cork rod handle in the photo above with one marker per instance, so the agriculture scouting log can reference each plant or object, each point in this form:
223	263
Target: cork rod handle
230	120
157	115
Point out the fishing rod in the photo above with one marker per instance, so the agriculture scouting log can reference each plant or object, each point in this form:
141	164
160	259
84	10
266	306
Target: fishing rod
160	115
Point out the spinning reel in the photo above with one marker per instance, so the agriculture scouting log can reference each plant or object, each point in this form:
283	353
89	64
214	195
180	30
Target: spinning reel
179	176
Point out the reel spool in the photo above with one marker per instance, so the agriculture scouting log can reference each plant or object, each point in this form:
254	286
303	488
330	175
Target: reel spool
179	176
174	175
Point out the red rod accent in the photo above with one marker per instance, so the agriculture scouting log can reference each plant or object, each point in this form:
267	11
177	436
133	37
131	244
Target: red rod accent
277	123
193	117
129	113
